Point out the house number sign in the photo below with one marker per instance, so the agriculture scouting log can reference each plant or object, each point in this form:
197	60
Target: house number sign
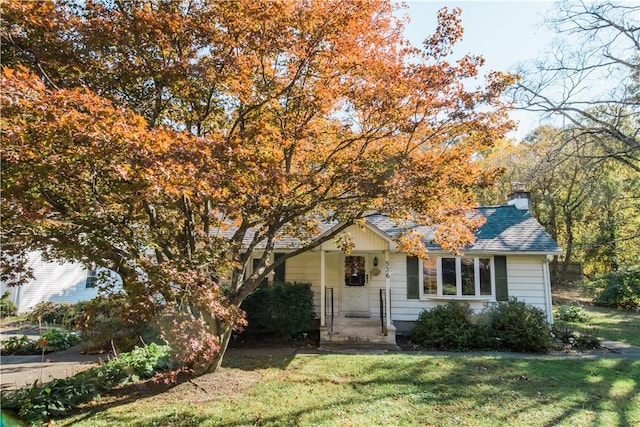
386	269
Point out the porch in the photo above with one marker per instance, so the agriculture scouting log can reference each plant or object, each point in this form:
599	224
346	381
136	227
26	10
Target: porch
356	330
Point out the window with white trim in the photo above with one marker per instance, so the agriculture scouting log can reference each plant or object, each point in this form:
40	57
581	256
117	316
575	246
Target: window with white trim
91	279
458	277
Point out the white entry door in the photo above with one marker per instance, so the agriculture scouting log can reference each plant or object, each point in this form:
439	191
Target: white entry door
355	293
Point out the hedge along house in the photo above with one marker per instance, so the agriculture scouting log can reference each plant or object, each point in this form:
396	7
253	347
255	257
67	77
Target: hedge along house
368	295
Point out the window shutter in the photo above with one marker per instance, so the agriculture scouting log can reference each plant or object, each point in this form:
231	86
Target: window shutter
279	271
502	289
413	278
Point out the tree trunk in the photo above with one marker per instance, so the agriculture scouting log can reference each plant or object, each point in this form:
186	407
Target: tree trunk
225	338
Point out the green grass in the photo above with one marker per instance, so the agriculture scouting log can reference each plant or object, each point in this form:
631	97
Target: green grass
611	324
616	325
403	390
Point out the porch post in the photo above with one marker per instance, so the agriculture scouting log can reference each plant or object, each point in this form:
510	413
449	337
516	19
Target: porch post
387	288
322	291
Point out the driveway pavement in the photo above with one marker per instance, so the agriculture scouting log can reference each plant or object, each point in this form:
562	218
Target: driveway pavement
20	371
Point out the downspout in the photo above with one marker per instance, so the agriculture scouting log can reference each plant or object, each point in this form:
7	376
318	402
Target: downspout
547	290
323	308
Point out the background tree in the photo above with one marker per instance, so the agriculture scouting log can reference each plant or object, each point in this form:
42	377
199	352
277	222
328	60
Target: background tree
588	203
590	82
258	121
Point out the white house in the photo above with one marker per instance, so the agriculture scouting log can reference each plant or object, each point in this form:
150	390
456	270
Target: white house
369	294
375	290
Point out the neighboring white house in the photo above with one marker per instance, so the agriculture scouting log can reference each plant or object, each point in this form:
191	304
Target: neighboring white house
54	282
376	289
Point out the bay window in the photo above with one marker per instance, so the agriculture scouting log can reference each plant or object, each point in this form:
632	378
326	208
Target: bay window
458	277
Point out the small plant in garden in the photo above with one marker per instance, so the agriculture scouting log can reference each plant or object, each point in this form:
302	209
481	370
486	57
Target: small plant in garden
57	340
50	341
566	336
570	313
587	339
18	345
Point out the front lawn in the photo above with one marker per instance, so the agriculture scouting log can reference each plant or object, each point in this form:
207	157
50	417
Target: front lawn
397	389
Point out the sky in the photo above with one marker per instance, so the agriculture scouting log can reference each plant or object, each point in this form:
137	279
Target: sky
505	33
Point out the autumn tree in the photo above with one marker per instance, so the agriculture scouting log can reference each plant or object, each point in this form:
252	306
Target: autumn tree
169	140
590	81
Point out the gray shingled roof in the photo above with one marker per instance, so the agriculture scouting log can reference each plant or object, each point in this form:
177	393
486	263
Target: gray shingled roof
506	230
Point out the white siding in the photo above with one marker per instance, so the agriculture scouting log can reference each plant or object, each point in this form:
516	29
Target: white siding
53	282
364	239
525	275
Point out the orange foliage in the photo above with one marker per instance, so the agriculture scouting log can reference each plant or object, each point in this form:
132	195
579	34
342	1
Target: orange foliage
163	122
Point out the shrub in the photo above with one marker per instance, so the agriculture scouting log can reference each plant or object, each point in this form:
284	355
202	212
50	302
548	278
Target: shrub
139	363
54	313
54	340
519	327
41	402
105	323
445	327
285	309
620	289
7	307
569	313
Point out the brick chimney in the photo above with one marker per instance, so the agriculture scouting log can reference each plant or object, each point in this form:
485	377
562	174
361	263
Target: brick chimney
519	197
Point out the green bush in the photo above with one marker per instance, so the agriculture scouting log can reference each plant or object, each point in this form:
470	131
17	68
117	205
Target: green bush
7	307
42	402
620	289
101	321
519	327
446	327
105	324
284	309
570	313
510	326
63	314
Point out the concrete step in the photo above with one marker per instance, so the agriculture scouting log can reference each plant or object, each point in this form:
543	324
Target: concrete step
357	348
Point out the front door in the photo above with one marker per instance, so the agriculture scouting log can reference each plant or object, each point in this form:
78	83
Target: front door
355	293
